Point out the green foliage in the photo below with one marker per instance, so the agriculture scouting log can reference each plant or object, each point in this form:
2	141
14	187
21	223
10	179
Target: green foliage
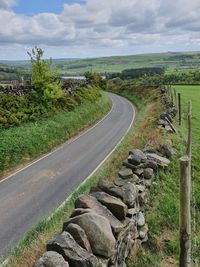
30	140
15	110
46	87
95	79
86	94
137	73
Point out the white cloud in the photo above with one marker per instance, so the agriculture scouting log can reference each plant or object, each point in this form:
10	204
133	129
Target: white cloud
105	24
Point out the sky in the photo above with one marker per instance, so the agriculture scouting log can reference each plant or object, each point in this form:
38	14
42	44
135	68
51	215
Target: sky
93	28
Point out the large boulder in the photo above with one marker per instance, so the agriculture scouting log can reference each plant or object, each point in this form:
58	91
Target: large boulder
115	205
65	245
98	231
161	161
51	259
79	236
88	201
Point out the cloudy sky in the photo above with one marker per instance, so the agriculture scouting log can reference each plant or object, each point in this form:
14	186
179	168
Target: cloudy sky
90	28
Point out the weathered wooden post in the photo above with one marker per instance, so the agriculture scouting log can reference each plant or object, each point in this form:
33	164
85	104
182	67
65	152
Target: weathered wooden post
175	98
171	94
179	108
185	216
189	143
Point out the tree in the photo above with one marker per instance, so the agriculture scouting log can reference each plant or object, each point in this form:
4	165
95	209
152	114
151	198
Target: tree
43	79
95	79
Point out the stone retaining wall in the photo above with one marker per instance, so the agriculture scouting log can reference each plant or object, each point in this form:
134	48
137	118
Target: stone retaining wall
110	220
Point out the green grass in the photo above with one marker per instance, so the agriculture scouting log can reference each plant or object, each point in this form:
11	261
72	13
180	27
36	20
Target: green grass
193	93
162	212
28	141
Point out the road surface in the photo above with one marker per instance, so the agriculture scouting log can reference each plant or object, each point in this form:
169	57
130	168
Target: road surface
35	191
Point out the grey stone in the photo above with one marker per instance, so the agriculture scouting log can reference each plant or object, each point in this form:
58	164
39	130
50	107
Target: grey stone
138	172
148	173
115	205
65	245
161	161
133	167
51	259
167	151
134	159
132	211
140	188
79	236
88	201
140	220
151	164
120	182
143	231
139	154
130	194
125	173
98	231
111	189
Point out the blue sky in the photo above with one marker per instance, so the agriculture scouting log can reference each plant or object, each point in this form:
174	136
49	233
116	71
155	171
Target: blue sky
32	7
93	28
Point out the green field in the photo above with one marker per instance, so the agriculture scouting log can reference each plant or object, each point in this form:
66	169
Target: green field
193	93
169	61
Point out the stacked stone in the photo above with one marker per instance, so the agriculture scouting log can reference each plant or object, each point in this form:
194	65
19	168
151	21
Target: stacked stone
169	113
107	222
18	90
71	85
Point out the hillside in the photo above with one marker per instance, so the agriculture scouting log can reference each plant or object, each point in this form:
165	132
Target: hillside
169	61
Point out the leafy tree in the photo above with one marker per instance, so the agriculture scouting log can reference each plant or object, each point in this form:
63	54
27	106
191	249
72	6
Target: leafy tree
95	79
46	87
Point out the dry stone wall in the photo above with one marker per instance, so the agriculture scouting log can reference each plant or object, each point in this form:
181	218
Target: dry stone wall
108	222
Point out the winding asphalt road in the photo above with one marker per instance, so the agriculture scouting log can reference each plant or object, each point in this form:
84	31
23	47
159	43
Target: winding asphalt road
38	189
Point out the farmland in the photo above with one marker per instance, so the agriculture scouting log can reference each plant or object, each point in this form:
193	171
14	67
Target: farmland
169	61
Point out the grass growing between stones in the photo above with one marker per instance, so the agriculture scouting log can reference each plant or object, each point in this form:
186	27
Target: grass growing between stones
22	144
33	244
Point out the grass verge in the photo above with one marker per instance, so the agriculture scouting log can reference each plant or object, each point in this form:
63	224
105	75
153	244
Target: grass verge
33	244
22	144
162	212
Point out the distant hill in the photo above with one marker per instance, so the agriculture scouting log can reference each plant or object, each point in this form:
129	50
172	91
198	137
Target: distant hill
169	61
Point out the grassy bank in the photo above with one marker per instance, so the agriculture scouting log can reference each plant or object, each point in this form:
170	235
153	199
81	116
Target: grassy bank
162	213
33	244
21	144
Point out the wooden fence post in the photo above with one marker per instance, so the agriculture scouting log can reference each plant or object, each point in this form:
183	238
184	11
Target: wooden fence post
171	94
185	216
179	107
189	143
175	98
